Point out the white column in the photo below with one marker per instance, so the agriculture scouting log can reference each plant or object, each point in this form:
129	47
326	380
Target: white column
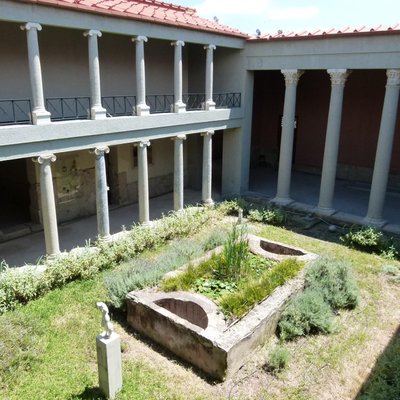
141	107
328	176
143	182
96	109
292	77
384	149
178	172
103	223
207	168
49	217
39	114
179	106
209	105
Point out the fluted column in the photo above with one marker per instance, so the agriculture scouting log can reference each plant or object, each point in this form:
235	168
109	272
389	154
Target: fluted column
207	168
209	105
292	77
49	217
39	113
384	149
178	172
96	109
179	106
143	182
141	107
103	222
328	176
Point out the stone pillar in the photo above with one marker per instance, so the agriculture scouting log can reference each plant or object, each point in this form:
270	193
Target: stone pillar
207	168
384	149
179	106
292	77
49	217
39	113
141	107
143	182
103	223
209	105
96	109
178	172
328	176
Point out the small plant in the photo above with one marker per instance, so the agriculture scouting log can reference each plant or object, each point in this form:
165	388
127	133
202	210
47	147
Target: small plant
236	250
307	314
334	280
217	238
278	359
274	216
391	270
255	216
371	240
3	266
232	207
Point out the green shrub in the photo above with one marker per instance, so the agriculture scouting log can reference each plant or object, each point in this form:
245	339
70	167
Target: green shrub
215	239
371	240
308	313
255	216
274	216
278	359
391	270
232	207
334	280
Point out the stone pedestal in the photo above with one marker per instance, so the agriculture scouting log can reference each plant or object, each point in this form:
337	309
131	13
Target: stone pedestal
109	364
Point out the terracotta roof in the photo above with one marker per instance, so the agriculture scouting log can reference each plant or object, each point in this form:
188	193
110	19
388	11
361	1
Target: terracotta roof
329	33
145	10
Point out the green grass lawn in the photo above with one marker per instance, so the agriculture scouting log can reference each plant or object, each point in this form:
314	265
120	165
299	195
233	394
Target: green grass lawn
48	348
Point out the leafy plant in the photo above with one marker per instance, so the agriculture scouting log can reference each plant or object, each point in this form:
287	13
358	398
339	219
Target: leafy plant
274	216
255	215
334	280
214	288
215	239
278	359
307	314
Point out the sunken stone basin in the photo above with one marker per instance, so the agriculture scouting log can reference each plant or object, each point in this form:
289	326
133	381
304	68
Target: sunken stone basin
190	325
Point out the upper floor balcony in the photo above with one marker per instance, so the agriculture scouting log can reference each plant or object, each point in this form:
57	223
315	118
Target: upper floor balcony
18	111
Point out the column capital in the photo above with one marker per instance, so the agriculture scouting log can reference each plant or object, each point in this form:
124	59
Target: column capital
393	77
338	76
45	158
179	137
178	43
31	25
210	47
139	39
208	133
292	76
100	150
143	143
92	32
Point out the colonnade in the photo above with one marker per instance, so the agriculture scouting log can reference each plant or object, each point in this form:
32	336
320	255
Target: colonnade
383	152
48	205
41	116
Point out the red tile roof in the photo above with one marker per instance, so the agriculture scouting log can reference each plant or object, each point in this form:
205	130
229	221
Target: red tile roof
145	10
329	33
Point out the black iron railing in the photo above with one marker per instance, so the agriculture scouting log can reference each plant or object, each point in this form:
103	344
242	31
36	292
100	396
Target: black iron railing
160	103
194	101
67	108
117	106
227	100
15	112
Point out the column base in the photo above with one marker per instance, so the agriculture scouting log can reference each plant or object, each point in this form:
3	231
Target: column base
40	117
281	201
208	202
98	112
376	222
142	109
325	212
209	106
104	239
179	107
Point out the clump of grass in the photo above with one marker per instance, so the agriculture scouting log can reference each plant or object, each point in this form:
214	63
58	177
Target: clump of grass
19	344
215	239
278	359
237	304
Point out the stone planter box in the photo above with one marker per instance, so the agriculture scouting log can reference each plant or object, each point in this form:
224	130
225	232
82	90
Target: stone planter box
190	325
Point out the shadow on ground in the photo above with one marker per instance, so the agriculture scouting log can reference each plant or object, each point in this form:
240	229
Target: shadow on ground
90	393
383	382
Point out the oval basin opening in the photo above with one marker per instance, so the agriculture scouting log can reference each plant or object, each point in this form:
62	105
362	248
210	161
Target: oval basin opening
279	249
